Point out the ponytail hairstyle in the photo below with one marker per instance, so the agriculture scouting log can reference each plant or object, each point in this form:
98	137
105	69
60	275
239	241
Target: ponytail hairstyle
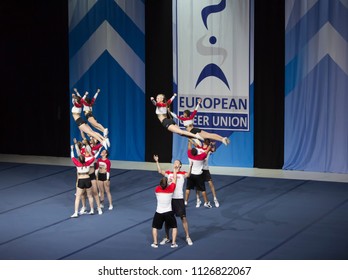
79	144
77	98
163	183
82	159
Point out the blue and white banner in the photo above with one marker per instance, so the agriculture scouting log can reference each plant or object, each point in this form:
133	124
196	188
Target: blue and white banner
212	50
316	102
107	51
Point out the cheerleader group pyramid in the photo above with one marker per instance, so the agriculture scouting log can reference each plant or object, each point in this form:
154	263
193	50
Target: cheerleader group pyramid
93	166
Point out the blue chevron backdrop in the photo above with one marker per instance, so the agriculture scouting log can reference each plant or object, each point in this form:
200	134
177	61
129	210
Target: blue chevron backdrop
107	51
316	102
213	54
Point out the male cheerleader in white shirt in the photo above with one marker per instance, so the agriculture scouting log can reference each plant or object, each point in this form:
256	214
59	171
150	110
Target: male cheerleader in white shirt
206	171
164	213
197	178
178	205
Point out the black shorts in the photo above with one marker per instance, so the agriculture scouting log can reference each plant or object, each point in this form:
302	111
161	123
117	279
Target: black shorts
195	181
168	217
178	207
84	183
167	122
206	175
89	114
92	176
102	177
80	121
195	130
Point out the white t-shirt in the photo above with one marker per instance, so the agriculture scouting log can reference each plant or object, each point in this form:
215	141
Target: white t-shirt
180	181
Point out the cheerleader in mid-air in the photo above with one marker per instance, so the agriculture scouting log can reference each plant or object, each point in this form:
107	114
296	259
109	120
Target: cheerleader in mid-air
188	119
88	103
82	125
162	114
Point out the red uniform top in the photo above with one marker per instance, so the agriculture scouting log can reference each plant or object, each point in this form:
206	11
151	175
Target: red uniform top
164	198
105	163
198	161
186	120
82	168
161	107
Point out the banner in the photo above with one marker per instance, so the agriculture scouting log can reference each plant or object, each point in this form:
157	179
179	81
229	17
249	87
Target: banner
316	100
212	50
107	52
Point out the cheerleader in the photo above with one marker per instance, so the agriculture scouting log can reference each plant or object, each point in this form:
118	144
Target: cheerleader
188	119
89	150
103	168
162	114
84	183
164	212
206	171
82	125
87	109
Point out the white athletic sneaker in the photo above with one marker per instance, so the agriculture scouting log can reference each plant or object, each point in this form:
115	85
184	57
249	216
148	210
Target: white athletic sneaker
216	202
174	245
111	207
153	245
189	241
164	241
198	203
75	215
207	204
100	211
91	212
83	210
185	202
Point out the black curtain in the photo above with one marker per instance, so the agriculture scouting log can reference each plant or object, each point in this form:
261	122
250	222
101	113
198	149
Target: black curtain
159	75
269	84
34	78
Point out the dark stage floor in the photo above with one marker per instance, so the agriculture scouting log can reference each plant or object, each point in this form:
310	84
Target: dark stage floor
259	218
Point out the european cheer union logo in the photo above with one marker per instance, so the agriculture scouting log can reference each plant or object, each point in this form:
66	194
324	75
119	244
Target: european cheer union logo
212	69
